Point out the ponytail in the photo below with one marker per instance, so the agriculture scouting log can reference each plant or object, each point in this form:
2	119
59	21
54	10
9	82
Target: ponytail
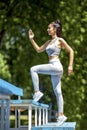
58	26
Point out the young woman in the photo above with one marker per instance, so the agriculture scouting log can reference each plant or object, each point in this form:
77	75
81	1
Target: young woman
54	67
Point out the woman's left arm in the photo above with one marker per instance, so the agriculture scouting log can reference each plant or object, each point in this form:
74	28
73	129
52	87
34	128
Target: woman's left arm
71	57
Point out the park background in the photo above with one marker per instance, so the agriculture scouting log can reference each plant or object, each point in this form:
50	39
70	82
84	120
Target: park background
17	54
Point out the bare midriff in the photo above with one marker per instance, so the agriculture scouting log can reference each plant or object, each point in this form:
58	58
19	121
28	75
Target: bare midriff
53	57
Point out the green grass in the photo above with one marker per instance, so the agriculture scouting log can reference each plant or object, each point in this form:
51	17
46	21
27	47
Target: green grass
23	117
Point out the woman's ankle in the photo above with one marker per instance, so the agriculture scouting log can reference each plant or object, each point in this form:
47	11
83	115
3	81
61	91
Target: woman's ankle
60	114
36	91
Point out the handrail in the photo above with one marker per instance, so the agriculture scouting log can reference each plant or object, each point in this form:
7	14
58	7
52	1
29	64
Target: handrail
30	105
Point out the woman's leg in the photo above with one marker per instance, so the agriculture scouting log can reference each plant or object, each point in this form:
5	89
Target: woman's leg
55	70
48	69
56	82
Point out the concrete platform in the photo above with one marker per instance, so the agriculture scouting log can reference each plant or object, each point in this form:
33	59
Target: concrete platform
53	126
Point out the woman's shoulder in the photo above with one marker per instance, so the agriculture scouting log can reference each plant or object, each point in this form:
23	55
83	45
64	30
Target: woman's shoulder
60	39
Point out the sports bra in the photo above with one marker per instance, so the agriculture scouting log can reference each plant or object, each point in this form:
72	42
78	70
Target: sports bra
52	49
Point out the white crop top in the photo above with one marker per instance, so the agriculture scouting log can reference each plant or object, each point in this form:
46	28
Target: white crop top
52	49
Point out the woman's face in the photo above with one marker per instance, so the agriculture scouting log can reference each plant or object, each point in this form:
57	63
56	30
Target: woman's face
51	30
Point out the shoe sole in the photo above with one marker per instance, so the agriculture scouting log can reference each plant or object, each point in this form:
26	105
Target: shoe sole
40	96
62	122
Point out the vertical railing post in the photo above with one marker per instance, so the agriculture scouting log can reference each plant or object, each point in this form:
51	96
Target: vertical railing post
4	112
43	117
46	115
19	114
16	118
35	116
29	117
7	114
39	116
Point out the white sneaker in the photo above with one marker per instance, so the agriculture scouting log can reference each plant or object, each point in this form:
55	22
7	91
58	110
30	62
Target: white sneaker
61	120
37	96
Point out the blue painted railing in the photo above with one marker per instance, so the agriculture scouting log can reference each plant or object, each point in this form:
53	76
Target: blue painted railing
6	91
10	89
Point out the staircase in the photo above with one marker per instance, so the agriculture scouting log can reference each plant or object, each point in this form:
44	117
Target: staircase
41	111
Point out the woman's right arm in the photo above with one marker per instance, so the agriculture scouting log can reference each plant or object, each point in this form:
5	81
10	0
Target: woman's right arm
36	47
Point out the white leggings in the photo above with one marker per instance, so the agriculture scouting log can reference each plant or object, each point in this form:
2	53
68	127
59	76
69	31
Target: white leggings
55	69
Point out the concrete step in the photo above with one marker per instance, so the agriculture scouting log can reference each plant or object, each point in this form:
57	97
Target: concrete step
53	126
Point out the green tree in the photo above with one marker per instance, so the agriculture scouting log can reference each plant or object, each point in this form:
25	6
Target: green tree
4	68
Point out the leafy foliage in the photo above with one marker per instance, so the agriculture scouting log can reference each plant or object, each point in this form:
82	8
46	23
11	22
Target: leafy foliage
4	68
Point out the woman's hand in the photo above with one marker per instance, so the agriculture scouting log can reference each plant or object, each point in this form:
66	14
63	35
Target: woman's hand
70	70
31	34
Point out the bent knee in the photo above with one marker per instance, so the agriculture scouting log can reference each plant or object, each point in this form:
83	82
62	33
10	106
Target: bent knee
33	69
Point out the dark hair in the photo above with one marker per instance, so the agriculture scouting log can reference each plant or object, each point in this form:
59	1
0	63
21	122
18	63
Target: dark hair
58	26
